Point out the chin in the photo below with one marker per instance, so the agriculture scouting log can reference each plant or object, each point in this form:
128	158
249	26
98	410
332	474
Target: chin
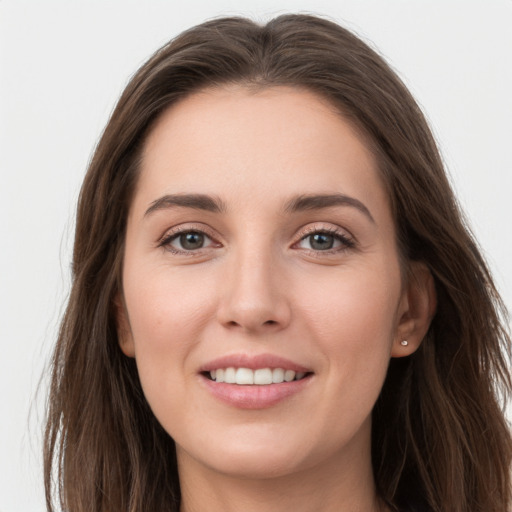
256	466
248	458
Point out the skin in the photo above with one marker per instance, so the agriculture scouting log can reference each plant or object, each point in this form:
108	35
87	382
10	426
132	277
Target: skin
260	285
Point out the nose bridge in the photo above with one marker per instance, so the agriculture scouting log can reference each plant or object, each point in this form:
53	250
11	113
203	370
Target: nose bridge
255	296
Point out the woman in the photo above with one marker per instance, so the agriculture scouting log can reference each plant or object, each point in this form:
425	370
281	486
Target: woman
275	302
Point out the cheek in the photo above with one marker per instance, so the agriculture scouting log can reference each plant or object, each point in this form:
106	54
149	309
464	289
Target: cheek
166	308
353	316
352	322
167	315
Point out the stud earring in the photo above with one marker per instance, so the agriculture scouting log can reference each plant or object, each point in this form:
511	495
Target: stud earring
404	343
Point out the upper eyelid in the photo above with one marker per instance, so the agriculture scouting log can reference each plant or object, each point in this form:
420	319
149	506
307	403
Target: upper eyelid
185	228
319	227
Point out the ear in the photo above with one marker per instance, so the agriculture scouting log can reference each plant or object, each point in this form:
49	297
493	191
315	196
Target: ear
124	331
416	310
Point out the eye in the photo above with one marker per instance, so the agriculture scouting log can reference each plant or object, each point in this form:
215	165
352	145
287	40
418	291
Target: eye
186	241
325	241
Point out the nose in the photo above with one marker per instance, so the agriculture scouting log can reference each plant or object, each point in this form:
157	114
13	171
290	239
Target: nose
254	297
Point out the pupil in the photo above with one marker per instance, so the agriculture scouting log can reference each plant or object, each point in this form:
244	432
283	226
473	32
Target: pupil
321	241
191	240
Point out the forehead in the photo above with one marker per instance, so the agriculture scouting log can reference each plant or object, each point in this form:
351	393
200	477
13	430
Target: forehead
239	142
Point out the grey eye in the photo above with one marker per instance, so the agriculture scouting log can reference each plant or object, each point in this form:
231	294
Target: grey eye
190	241
321	241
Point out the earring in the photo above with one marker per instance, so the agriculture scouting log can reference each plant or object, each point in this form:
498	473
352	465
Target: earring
404	343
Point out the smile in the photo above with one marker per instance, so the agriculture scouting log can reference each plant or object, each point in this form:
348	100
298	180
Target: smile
258	377
254	381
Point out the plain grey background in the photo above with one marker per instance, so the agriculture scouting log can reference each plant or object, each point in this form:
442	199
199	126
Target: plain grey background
63	65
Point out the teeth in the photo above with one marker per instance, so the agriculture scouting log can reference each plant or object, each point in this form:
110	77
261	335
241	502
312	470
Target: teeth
263	376
289	375
259	377
244	376
229	375
277	375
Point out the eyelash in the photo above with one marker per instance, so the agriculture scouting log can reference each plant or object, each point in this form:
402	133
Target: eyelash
169	237
347	242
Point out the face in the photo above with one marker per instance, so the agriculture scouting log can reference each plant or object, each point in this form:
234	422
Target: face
262	293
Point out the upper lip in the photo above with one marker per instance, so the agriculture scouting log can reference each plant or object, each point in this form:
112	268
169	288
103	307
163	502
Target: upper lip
253	362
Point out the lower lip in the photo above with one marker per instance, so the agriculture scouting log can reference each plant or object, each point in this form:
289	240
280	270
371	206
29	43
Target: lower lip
255	396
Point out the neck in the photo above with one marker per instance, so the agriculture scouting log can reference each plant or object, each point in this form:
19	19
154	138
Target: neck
329	487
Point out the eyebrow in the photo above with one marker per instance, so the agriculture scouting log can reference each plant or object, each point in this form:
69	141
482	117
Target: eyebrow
297	204
194	201
318	202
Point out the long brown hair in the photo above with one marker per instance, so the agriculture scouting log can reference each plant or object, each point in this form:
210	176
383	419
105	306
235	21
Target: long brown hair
440	438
